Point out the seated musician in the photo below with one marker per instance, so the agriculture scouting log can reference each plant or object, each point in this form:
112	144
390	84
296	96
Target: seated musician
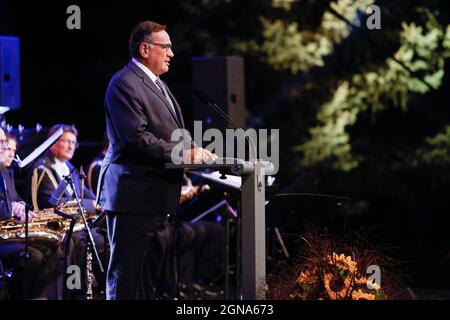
45	176
203	262
39	266
52	166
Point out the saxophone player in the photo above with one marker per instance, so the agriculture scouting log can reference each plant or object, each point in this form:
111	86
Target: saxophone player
12	206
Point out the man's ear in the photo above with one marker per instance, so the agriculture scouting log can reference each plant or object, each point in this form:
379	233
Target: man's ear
143	50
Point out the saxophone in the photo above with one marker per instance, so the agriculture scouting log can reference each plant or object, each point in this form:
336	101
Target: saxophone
47	227
50	228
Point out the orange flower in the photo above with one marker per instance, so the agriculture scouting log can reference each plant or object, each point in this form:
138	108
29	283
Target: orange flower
336	287
361	281
361	295
307	277
342	262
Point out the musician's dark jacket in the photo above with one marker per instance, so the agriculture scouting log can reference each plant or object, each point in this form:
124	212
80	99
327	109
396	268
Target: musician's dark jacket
9	195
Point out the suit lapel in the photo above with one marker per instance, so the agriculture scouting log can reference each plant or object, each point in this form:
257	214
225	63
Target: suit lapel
75	178
152	86
177	106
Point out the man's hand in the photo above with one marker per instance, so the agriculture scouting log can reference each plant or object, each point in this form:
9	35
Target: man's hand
18	211
188	193
200	155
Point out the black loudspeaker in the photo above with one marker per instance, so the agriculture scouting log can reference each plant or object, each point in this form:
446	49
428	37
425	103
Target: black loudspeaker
221	78
10	72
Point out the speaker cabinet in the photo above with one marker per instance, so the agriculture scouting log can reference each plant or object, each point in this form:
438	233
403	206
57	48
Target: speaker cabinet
10	72
221	78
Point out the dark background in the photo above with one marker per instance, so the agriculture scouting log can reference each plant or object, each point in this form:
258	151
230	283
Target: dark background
64	74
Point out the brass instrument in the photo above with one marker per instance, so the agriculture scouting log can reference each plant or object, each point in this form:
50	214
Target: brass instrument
50	228
46	227
71	208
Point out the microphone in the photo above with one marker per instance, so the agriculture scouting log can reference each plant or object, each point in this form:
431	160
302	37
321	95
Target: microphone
207	100
203	96
210	102
82	178
57	194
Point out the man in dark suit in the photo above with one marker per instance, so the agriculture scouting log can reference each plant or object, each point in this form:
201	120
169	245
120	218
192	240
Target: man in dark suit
134	187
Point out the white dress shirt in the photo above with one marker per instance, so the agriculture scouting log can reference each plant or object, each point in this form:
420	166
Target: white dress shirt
62	169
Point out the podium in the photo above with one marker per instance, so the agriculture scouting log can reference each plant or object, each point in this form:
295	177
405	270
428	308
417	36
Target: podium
253	233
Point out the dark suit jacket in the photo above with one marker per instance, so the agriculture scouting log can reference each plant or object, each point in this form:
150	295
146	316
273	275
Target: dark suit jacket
9	195
139	123
46	187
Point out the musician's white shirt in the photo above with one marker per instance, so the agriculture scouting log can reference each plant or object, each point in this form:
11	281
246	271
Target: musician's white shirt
62	169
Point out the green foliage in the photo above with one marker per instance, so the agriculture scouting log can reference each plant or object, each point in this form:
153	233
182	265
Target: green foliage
330	140
294	39
436	150
283	4
287	45
287	48
389	84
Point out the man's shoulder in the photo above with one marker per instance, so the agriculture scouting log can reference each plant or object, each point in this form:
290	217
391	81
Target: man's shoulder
125	75
43	161
3	170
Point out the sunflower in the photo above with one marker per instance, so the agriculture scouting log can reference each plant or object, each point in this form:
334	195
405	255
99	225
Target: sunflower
361	295
342	262
307	277
336	287
362	281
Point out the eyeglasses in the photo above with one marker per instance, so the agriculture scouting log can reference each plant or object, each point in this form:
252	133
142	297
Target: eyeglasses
66	141
165	46
4	142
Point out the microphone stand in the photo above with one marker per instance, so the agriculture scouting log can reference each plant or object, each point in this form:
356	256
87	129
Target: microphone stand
73	220
82	178
207	100
91	242
25	254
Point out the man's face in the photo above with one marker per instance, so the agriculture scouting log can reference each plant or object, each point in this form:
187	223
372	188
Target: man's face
64	148
154	57
3	146
10	152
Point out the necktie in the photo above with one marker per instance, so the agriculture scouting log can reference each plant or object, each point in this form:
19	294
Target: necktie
164	91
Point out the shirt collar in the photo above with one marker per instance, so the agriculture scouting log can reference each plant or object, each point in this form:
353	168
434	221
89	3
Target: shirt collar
60	163
147	71
61	167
